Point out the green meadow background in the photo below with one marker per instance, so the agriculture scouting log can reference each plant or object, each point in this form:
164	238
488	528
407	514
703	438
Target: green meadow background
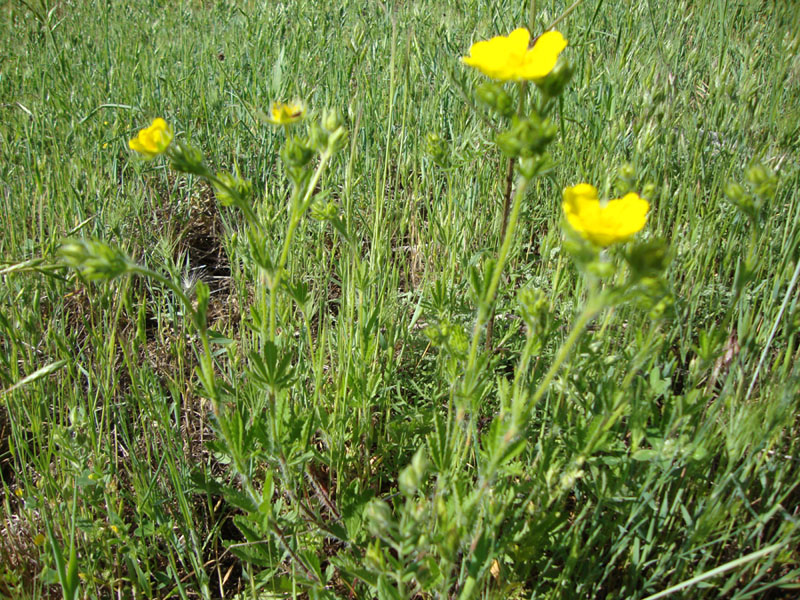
104	434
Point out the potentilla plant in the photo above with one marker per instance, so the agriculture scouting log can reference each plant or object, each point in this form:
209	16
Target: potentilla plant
272	439
464	517
471	520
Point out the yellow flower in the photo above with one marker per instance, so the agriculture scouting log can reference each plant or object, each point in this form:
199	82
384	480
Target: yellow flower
508	58
604	225
286	113
154	140
38	539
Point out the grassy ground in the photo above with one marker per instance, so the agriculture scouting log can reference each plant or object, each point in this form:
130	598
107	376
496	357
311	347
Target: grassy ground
109	447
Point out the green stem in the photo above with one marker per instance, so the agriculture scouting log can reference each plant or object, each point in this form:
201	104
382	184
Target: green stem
592	307
564	15
297	211
506	206
488	301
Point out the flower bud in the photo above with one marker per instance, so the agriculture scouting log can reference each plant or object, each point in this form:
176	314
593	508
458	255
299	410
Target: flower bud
379	518
649	258
757	174
322	211
95	260
601	269
332	120
496	98
231	190
735	192
318	137
763	181
296	153
412	477
627	172
438	150
557	80
532	166
185	158
526	137
534	309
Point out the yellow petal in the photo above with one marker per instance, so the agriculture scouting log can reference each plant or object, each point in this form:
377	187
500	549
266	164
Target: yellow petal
605	225
541	59
518	40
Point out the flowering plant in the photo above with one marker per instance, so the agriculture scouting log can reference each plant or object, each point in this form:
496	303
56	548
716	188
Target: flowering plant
604	224
286	113
153	140
508	58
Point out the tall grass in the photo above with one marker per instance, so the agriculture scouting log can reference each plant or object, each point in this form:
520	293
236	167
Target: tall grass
664	453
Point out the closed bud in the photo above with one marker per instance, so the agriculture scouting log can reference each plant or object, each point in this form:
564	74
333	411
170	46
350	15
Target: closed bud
332	120
534	309
735	192
557	79
742	200
508	144
230	190
438	150
322	211
296	153
379	518
185	158
95	260
762	180
627	172
649	258
337	139
318	137
757	174
412	477
496	98
536	165
601	269
526	137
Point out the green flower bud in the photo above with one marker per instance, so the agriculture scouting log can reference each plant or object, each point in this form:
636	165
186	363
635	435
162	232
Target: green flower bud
337	139
412	477
296	153
496	98
332	120
735	192
322	211
601	269
533	166
526	137
742	200
185	158
438	150
757	174
763	181
95	260
231	190
318	137
508	144
627	172
378	516
557	80
534	309
649	258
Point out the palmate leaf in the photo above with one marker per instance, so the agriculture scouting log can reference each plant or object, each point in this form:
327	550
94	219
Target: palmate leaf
270	369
